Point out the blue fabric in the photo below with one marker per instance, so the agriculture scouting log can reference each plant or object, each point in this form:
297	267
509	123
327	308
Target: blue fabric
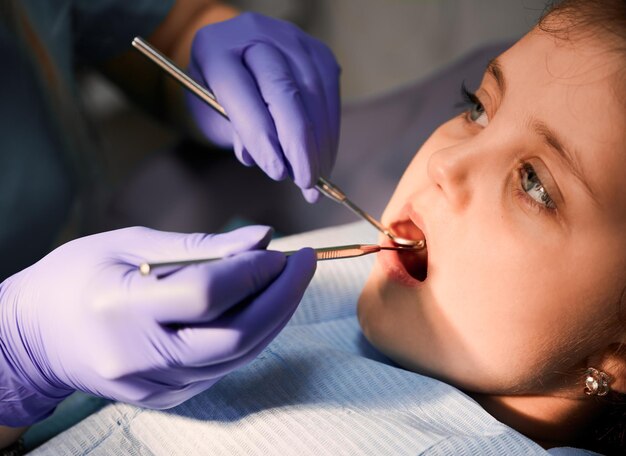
319	389
36	178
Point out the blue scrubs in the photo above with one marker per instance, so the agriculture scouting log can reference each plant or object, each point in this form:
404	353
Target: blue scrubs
43	138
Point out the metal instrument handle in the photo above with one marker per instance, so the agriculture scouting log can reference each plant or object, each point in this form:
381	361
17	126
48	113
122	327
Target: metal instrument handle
179	75
324	253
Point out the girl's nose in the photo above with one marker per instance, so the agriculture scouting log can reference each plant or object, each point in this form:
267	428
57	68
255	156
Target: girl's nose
449	169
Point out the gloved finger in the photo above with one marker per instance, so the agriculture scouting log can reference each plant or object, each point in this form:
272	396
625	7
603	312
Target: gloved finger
284	101
180	376
311	194
147	393
312	91
212	125
234	334
158	246
328	69
237	91
182	383
167	399
200	293
241	153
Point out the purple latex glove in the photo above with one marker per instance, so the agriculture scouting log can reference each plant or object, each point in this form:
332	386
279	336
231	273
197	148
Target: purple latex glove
280	88
83	318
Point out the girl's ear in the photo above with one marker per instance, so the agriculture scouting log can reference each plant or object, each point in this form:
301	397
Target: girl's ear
613	363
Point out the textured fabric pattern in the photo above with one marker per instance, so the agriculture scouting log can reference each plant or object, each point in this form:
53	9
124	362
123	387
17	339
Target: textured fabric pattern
319	388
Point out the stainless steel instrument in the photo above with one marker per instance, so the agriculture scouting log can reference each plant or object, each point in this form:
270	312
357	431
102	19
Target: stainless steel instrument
324	253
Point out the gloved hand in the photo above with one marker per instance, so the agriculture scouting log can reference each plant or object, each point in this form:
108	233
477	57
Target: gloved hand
280	89
83	318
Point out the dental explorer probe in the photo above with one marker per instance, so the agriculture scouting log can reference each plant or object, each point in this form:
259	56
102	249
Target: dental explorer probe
323	185
324	253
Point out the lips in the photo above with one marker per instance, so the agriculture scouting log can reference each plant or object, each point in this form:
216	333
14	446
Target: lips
407	267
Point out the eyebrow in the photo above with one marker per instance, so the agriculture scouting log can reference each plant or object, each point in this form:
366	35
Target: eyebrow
551	139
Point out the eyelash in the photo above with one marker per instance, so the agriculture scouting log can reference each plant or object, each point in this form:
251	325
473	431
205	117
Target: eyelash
470	102
469	97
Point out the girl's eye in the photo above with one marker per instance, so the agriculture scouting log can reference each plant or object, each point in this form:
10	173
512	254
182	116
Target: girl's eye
532	186
478	115
476	111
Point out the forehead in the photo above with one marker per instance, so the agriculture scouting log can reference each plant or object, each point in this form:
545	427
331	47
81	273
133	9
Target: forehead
574	88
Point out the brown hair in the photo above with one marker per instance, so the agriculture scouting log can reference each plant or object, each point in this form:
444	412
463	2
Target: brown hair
604	19
587	16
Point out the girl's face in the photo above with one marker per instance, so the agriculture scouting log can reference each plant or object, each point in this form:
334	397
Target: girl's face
522	202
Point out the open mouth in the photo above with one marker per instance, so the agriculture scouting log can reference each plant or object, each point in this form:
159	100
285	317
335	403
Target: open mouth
415	262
